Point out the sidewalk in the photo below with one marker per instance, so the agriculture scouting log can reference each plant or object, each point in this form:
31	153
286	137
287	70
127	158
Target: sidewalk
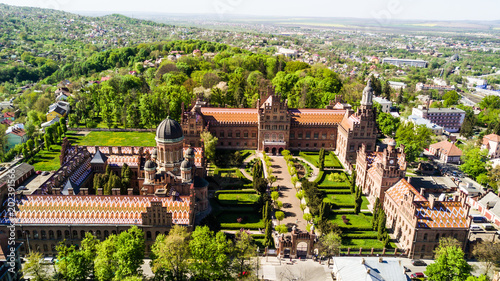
272	268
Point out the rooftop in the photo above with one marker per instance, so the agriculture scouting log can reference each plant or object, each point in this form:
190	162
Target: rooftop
19	171
368	269
447	148
91	209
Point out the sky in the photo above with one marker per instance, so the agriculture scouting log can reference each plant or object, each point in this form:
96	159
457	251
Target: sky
369	9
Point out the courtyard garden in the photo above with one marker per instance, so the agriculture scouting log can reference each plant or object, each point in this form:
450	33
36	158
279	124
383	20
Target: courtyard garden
331	160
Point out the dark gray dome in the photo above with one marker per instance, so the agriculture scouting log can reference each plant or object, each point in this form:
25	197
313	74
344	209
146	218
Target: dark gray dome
149	165
190	152
185	164
169	131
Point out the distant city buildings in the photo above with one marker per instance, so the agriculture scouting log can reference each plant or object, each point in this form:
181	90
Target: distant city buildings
425	87
397	85
405	62
450	119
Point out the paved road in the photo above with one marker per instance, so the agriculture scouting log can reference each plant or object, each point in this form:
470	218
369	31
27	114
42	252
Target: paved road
293	214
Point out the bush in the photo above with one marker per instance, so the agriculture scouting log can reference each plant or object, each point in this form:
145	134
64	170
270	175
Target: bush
245	191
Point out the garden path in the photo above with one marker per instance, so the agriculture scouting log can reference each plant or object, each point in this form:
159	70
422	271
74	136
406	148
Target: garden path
315	172
293	214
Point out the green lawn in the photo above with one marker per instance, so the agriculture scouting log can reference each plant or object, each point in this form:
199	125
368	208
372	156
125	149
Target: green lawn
251	220
114	138
331	161
363	243
345	199
333	179
237	198
230	178
48	160
360	220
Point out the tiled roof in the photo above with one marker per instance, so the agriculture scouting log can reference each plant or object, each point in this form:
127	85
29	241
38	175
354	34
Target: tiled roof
98	158
447	148
9	114
18	132
400	189
39	209
444	214
230	115
491	137
316	116
349	122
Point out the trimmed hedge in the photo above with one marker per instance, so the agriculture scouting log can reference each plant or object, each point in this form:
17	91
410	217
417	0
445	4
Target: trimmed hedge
242	225
356	228
260	236
336	191
342	206
245	191
361	235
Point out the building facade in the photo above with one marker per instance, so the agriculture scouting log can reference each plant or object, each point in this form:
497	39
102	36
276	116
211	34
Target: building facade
273	127
450	119
405	62
491	142
446	151
418	223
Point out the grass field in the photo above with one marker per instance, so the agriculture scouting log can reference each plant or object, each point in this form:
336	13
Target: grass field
363	243
360	220
251	220
326	180
331	161
48	160
106	138
345	199
237	198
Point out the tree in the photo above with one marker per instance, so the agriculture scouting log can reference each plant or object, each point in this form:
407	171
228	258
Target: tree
488	253
129	252
170	255
387	91
474	160
210	143
321	159
75	264
209	254
47	142
34	268
414	138
494	178
268	236
479	278
450	265
279	215
467	128
357	200
445	242
275	195
260	185
330	244
104	264
375	214
307	217
381	229
387	123
294	180
257	170
451	98
353	182
243	250
281	229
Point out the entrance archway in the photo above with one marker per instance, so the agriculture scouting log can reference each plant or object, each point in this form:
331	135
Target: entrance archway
280	150
266	149
302	249
274	150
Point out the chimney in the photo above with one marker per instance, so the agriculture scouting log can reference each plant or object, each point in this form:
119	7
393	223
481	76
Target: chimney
367	271
432	200
422	191
409	180
380	260
362	260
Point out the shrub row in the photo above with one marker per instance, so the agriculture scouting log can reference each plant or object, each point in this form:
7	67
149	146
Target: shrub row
236	225
245	191
341	205
356	228
361	235
336	191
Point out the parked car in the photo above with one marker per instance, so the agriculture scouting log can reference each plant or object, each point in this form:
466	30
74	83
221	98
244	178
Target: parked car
44	173
22	187
488	226
38	172
475	227
2	168
417	275
418	263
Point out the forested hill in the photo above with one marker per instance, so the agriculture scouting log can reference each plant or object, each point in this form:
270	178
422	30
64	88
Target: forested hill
54	38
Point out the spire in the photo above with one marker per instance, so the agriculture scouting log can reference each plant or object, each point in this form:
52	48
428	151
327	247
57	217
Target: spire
367	94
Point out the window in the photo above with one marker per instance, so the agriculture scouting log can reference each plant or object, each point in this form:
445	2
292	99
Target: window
51	234
82	234
267	117
292	135
66	234
300	135
45	248
315	144
275	117
230	134
245	134
106	234
229	143
254	134
221	143
425	237
237	134
323	136
308	135
43	234
316	136
351	147
281	117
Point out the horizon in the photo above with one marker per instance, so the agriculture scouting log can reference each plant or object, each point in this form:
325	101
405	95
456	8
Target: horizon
398	10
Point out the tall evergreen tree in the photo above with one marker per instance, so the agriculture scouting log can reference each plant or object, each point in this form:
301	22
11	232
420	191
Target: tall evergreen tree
353	182
321	159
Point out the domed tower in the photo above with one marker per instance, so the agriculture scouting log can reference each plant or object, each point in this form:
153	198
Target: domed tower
189	155
150	171
186	171
154	154
169	143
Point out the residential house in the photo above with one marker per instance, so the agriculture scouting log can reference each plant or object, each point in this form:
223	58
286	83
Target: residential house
15	135
491	142
368	269
50	123
7	118
21	173
446	151
385	104
59	109
489	207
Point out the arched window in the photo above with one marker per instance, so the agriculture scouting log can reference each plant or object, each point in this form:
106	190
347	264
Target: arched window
43	234
106	234
59	234
19	234
114	232
98	234
27	234
156	234
35	234
148	235
45	248
437	237
425	237
66	234
51	234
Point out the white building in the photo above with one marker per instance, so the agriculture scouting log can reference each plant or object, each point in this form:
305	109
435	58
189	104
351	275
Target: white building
450	119
397	85
436	129
471	81
407	62
384	103
491	142
368	269
287	52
